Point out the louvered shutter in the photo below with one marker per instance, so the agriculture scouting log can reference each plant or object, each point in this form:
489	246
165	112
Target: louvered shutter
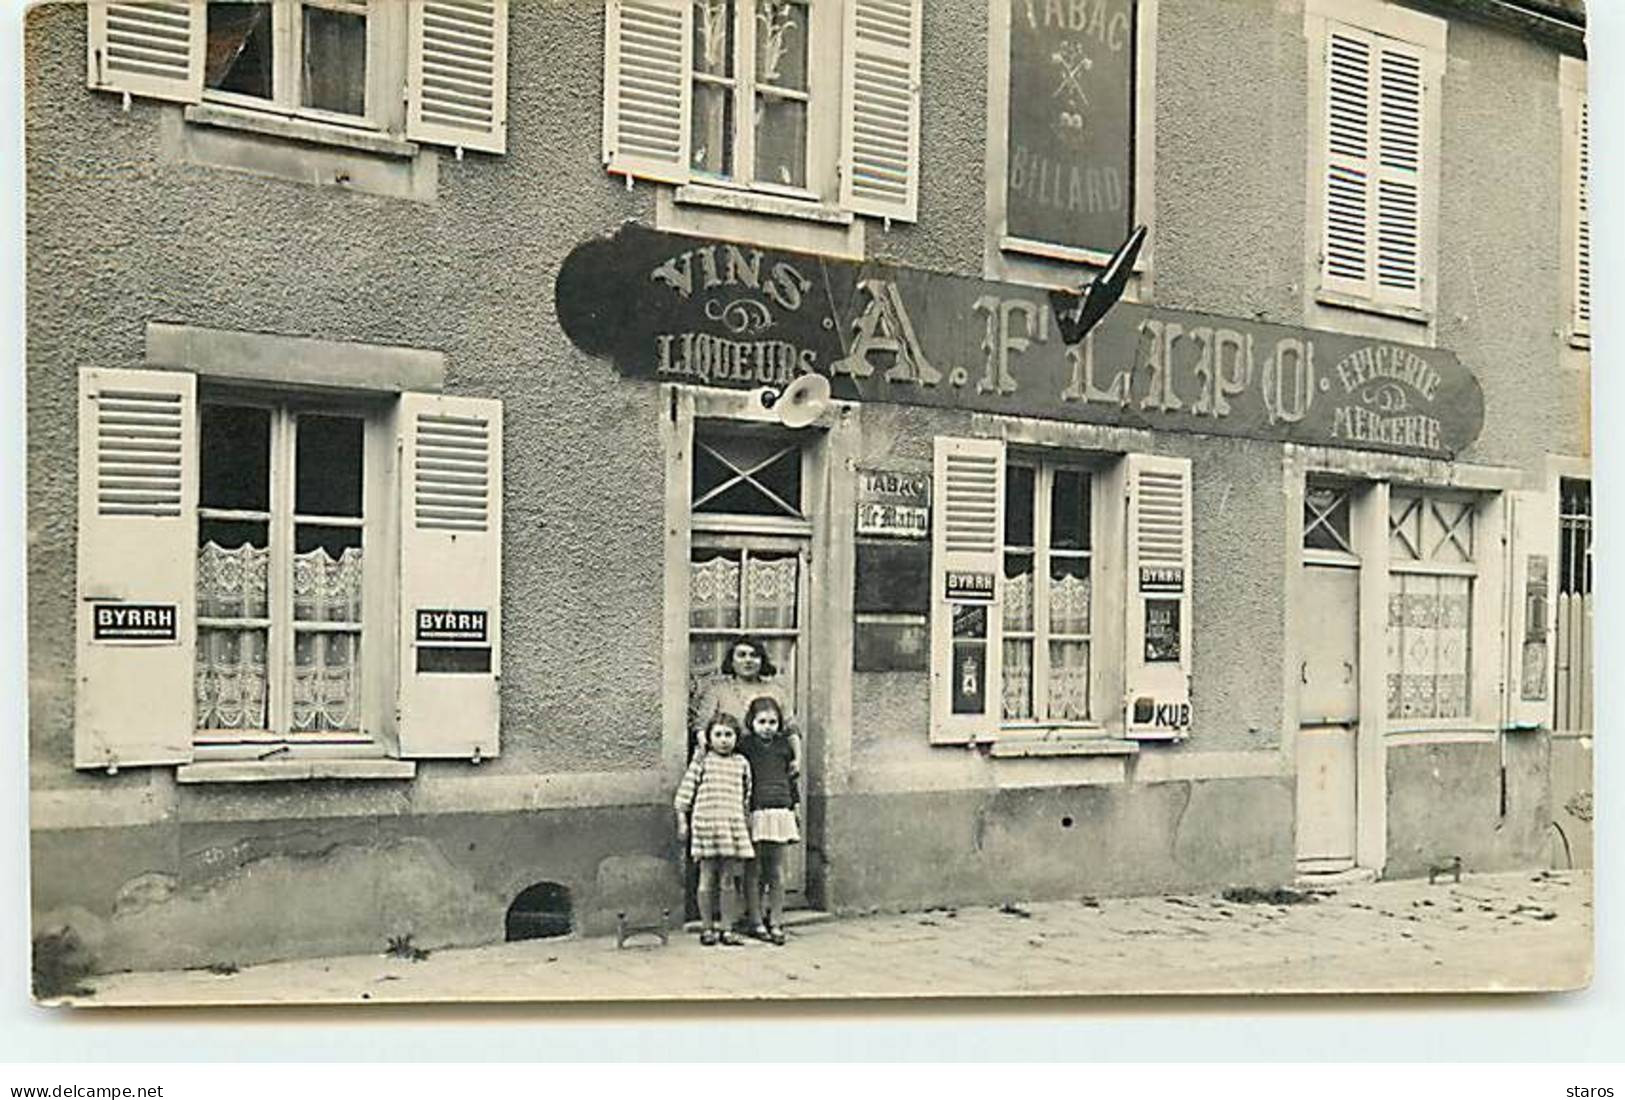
1532	573
1158	602
648	55
880	118
136	568
967	532
457	73
1582	222
1346	259
152	48
1399	174
451	575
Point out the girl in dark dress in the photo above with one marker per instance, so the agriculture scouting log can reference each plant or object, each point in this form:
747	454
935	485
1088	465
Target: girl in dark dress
773	826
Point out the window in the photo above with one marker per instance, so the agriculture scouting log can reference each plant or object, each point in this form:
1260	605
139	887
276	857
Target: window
1326	518
1070	138
1374	130
1575	609
1432	555
315	70
273	575
811	101
1037	631
281	571
1048	582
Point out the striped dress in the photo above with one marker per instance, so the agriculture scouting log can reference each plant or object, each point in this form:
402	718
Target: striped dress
715	793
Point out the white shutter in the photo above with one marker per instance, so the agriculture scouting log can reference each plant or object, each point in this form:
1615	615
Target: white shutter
1158	631
1346	244
1582	222
136	568
1399	174
967	533
148	48
1532	545
648	54
457	73
451	575
880	109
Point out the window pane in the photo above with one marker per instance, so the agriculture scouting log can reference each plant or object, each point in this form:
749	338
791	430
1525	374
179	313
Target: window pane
1018	679
1069	511
1018	592
235	458
713	590
712	130
1018	506
326	682
771	591
233	564
328	466
781	140
1429	624
230	679
334	72
237	55
327	574
747	476
1069	681
781	44
714	37
1069	595
1326	519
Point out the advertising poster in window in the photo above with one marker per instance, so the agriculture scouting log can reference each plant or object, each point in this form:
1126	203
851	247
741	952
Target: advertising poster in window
1161	630
1071	148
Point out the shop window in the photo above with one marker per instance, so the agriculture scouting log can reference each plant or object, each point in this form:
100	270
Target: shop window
275	577
433	71
814	102
1375	158
280	603
1048	582
1071	106
1433	569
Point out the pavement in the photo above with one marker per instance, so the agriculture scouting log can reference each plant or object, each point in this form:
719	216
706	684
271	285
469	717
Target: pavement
1516	932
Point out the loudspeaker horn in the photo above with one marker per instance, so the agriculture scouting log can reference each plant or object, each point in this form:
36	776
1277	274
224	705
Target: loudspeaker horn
802	401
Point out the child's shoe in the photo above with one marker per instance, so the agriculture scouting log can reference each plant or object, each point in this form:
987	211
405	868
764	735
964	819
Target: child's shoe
776	934
730	938
708	938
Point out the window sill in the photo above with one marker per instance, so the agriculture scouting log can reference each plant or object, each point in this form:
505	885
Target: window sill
298	129
753	202
1064	253
1055	744
1365	305
278	771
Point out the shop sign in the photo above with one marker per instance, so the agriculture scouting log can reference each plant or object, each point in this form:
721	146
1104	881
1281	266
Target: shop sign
681	309
134	622
1162	578
436	625
895	504
969	586
1071	122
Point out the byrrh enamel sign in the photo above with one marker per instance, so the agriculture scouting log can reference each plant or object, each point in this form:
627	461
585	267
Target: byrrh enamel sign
703	312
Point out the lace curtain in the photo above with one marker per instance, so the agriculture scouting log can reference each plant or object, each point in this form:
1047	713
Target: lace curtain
230	677
714	604
1429	619
327	665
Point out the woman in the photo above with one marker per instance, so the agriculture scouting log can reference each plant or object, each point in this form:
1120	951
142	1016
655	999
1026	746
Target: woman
747	673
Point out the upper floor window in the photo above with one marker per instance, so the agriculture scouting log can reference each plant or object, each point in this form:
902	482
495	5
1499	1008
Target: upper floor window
1376	86
434	71
811	101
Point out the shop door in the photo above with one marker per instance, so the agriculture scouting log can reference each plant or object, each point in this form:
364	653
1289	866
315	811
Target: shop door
1328	717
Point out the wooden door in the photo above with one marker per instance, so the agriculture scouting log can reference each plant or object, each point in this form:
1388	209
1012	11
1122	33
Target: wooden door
1328	716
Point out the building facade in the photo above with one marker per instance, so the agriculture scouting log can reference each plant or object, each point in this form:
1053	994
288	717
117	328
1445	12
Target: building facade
428	379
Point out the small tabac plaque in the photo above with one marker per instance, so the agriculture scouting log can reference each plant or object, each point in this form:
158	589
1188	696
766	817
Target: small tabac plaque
894	504
134	623
449	624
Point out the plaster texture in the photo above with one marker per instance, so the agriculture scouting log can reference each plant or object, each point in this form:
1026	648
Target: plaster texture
1444	800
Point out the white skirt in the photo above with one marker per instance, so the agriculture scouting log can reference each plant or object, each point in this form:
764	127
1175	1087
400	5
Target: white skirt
774	827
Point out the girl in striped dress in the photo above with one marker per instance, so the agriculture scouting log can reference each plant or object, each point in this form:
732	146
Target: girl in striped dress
713	815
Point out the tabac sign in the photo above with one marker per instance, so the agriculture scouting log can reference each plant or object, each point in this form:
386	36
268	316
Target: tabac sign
685	309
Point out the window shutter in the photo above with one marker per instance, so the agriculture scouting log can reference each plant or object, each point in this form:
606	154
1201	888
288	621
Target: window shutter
1399	175
880	120
451	575
1582	222
1346	244
1532	543
967	533
148	48
457	73
648	55
1158	631
136	568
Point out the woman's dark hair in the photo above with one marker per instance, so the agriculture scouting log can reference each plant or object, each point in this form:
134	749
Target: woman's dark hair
768	667
759	705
